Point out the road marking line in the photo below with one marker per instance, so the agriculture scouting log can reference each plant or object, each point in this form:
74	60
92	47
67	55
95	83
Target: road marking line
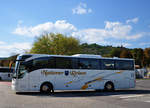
117	95
147	101
131	96
138	81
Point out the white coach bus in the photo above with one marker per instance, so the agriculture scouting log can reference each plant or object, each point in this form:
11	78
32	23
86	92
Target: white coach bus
46	73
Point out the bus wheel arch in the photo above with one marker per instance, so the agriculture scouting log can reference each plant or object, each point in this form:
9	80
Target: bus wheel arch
109	86
46	87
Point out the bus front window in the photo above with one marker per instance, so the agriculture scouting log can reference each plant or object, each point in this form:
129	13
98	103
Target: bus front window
22	70
15	69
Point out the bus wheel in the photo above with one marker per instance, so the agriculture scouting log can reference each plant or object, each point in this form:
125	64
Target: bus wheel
109	86
0	78
46	88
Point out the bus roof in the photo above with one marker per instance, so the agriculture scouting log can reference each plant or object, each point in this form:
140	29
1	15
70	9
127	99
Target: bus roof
33	56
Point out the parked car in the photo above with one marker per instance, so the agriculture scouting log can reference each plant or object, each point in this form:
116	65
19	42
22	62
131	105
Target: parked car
141	73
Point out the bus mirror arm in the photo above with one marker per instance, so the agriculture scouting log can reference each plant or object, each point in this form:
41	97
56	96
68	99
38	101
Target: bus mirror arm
11	63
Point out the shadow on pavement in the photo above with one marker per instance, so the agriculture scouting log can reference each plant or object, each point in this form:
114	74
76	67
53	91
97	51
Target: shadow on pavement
86	93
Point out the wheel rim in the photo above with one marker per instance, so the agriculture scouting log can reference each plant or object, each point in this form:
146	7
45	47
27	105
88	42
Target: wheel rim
45	88
109	87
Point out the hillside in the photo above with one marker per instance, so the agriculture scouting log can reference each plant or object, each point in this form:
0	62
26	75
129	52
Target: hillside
141	56
105	51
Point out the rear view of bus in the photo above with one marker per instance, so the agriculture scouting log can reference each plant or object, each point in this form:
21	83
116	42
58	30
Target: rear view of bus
6	73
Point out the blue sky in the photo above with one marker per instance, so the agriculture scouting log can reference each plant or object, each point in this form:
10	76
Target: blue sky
105	22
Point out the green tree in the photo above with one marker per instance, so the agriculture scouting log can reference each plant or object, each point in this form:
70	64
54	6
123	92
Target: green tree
90	48
147	56
125	54
56	44
115	52
138	55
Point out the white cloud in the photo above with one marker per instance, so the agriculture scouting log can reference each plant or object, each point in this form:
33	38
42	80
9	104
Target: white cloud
91	36
117	30
60	26
99	36
15	48
1	42
134	37
111	31
134	20
81	9
145	44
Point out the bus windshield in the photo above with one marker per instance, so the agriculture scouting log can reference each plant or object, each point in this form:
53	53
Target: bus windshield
20	70
15	72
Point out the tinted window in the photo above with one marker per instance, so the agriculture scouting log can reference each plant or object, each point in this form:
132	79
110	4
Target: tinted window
124	65
63	63
6	70
108	64
40	63
25	57
94	64
88	64
43	62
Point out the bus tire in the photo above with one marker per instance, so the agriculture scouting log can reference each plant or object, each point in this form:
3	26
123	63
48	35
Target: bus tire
0	78
46	88
109	86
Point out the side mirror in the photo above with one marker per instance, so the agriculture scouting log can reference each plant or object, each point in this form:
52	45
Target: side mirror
11	63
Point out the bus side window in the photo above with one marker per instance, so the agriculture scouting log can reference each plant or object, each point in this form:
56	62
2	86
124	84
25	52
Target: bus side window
40	63
83	64
51	62
108	64
63	63
29	67
124	65
94	64
74	63
88	64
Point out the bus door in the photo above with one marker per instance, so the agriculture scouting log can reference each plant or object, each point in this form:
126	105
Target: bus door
34	80
23	78
23	82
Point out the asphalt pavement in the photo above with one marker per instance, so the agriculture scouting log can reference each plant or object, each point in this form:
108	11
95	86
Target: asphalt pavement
138	97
